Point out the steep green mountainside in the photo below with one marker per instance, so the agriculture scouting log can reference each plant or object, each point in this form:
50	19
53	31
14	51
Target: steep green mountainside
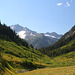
64	45
65	39
62	50
11	48
21	57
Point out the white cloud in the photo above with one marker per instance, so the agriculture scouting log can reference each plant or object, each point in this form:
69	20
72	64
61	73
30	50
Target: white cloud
58	4
68	4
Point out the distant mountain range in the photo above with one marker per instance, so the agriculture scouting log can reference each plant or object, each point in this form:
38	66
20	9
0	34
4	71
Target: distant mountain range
38	40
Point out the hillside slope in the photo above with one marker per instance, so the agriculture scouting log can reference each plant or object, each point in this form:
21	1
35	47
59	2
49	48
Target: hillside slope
63	50
20	57
65	39
52	71
64	45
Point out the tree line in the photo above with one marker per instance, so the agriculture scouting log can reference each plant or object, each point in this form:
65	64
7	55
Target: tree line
6	33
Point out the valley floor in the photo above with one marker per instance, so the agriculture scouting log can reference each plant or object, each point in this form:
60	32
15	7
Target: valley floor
70	70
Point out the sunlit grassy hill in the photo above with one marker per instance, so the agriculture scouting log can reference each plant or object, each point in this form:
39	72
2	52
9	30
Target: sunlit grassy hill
63	50
20	57
70	70
61	65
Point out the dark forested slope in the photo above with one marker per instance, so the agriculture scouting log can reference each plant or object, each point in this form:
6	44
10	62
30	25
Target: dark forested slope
7	34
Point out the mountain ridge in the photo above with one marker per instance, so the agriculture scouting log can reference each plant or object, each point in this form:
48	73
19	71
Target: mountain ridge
32	36
64	45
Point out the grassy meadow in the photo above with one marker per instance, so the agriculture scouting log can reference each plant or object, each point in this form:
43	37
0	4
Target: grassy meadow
70	70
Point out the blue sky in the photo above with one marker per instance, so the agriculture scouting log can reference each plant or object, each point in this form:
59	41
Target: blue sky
39	15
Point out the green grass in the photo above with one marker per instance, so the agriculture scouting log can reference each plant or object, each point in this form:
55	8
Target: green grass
11	49
15	58
20	57
63	50
63	60
52	71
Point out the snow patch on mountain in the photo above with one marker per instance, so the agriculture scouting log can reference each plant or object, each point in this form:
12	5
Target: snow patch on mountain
53	36
22	34
46	35
49	35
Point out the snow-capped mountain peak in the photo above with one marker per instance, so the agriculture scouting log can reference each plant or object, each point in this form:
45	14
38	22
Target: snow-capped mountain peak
36	39
16	28
22	34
